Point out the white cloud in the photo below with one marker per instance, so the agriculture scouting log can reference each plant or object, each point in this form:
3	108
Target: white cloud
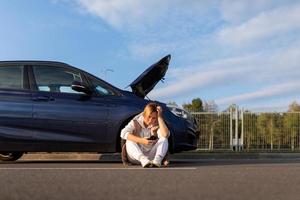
278	105
236	12
264	25
275	90
115	12
150	25
205	35
135	14
195	80
261	68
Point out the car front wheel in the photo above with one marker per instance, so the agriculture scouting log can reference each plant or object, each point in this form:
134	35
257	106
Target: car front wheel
10	156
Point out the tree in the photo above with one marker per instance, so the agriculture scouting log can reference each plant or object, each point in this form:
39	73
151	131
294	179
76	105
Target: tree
232	107
292	127
210	106
294	107
250	130
195	106
269	126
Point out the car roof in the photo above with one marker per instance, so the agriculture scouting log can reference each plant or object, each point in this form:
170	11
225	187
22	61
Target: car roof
33	62
50	63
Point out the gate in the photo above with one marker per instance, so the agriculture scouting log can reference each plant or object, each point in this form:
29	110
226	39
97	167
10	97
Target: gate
215	130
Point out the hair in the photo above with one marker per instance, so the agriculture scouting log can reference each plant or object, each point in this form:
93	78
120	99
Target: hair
150	108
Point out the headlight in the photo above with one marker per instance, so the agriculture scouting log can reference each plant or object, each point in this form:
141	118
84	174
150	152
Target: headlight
179	112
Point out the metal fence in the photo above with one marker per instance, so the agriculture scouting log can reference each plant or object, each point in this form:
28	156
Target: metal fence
246	131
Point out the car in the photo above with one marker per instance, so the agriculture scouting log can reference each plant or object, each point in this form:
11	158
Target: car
48	106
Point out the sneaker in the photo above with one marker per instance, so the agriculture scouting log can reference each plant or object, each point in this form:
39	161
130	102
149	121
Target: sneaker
145	162
148	165
156	164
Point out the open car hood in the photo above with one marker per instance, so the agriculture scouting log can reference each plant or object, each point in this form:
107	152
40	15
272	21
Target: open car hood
150	77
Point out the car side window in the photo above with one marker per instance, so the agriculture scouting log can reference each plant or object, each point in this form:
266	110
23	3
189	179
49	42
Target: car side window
56	79
100	88
11	77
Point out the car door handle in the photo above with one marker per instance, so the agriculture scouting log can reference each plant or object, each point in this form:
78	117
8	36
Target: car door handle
43	98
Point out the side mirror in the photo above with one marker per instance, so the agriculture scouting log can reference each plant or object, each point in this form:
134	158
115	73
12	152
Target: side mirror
79	87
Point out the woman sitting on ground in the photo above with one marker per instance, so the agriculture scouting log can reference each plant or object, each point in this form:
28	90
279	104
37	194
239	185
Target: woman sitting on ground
146	137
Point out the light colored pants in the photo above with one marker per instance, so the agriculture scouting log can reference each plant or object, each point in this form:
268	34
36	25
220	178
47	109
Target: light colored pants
158	151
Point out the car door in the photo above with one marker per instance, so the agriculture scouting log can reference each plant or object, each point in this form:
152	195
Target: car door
117	110
15	108
66	120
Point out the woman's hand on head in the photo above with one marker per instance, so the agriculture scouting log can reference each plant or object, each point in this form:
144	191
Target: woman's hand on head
159	111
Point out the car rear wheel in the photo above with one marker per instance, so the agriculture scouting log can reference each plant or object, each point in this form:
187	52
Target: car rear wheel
10	156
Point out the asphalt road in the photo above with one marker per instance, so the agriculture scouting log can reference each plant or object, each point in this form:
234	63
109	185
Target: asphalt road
200	179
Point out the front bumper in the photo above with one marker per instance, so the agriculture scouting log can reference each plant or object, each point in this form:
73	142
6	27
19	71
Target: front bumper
185	138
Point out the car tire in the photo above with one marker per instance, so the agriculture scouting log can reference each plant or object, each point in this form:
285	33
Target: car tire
10	156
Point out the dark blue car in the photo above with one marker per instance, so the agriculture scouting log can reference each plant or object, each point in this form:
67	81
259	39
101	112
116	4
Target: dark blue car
54	107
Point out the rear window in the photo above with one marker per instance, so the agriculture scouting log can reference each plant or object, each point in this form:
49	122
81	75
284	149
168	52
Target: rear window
11	77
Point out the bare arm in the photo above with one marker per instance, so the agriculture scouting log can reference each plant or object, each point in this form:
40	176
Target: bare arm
162	125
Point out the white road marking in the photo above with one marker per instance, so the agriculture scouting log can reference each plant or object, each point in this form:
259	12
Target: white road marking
104	168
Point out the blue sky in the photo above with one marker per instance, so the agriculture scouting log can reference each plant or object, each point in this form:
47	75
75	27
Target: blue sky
243	52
